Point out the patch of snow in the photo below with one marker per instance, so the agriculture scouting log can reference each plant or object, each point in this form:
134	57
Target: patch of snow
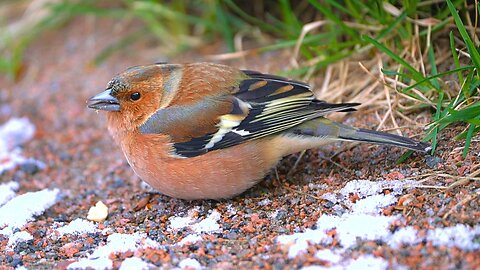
15	132
264	202
77	227
116	242
207	225
361	221
373	204
96	264
328	255
191	238
364	188
22	209
12	134
405	235
351	227
367	262
460	235
331	197
273	214
177	223
231	209
189	264
299	241
7	191
17	238
119	242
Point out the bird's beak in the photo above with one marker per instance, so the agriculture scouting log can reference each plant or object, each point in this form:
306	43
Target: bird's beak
104	101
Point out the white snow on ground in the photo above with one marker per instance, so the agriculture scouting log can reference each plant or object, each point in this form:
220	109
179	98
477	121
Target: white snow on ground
299	241
116	242
366	262
16	211
460	236
350	227
177	223
198	226
209	224
364	221
17	238
189	264
373	204
264	202
206	225
12	134
328	255
365	188
7	191
135	263
22	209
191	238
77	227
405	235
361	222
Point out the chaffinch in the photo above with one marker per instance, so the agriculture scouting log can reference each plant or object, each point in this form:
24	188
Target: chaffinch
209	131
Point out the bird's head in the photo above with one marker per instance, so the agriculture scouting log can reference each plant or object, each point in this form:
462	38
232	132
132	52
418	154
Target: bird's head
132	96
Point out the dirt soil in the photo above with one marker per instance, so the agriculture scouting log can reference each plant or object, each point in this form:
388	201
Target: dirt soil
84	164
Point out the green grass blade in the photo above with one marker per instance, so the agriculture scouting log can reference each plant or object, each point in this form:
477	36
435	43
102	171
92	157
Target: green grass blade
429	78
456	60
392	26
417	76
251	19
335	19
434	71
223	23
468	139
474	54
290	20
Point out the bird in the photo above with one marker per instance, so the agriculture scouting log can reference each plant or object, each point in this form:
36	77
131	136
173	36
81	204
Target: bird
210	131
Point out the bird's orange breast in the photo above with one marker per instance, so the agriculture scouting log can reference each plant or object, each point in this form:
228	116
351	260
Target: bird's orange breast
214	175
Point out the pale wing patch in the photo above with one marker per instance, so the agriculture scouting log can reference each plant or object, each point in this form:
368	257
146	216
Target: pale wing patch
241	132
229	122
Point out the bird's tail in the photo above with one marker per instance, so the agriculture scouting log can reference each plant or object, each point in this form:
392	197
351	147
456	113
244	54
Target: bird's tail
324	128
377	137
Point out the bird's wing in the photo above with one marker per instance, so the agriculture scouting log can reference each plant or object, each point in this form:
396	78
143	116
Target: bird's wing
260	106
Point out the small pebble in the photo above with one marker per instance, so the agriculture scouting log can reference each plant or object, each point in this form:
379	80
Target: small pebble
98	213
433	161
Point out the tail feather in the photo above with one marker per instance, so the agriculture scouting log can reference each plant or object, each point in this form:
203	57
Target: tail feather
377	137
327	129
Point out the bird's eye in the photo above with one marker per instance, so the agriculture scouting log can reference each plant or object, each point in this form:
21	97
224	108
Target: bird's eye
135	96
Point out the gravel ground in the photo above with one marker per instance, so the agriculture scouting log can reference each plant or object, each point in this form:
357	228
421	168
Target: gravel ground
356	209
